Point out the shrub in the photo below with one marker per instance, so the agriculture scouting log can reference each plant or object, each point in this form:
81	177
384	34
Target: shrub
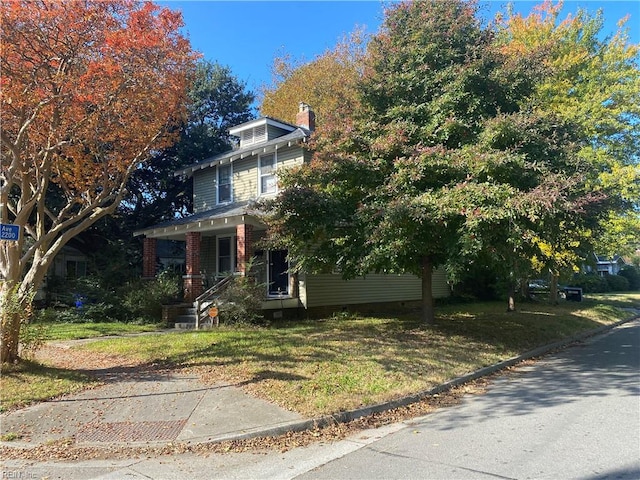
617	283
143	299
632	275
32	337
241	302
59	315
590	283
86	300
479	282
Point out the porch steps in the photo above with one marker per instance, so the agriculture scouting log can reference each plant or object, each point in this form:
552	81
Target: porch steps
187	315
187	319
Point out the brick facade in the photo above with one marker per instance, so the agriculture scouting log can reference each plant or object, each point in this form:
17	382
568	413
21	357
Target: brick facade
149	255
244	247
193	278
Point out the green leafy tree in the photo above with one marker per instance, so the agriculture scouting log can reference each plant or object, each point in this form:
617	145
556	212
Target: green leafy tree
593	81
527	187
443	163
380	194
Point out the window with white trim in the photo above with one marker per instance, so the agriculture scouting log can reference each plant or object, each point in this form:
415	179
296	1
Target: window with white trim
227	261
267	172
224	183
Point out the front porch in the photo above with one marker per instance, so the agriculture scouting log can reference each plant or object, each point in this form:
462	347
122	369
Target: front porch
219	243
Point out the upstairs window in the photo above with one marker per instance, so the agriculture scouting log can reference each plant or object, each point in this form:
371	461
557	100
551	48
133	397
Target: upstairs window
267	171
224	183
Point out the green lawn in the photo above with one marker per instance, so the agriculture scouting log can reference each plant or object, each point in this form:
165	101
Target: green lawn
74	331
319	367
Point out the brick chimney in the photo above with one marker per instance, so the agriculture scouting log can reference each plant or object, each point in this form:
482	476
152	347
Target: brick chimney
305	117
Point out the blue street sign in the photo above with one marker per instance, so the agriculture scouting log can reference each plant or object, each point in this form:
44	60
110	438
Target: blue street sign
9	232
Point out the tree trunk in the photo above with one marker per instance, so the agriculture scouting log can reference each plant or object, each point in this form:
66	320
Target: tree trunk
428	314
524	289
553	288
511	301
10	318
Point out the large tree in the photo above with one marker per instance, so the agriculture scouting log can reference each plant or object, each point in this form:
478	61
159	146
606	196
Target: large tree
592	80
443	162
89	89
381	189
327	83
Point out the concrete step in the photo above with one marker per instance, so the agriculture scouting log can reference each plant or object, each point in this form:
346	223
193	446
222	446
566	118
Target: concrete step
206	325
185	325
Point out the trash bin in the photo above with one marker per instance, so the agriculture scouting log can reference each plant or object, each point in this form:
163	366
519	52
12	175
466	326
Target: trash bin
573	294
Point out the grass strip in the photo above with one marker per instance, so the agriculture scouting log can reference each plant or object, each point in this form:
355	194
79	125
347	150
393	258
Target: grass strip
28	382
75	331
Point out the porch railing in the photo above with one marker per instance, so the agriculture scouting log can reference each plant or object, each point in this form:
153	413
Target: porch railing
207	299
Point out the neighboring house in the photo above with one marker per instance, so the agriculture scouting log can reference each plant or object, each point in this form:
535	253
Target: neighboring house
68	263
607	265
221	234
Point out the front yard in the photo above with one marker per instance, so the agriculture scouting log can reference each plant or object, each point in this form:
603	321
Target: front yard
318	367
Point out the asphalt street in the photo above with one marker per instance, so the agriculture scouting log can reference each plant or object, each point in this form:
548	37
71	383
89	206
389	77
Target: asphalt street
574	414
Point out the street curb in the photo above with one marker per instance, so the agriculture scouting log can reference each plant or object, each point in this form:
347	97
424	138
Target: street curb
347	416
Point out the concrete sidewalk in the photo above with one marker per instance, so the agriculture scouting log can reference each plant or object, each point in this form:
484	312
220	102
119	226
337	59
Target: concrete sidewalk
154	409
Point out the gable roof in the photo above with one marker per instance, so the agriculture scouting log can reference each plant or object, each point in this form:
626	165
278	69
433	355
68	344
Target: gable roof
298	135
259	121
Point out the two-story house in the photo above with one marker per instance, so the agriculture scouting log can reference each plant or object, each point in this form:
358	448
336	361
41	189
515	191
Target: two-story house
221	234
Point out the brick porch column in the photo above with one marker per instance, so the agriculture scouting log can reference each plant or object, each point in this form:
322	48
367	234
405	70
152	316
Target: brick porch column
149	254
244	247
193	278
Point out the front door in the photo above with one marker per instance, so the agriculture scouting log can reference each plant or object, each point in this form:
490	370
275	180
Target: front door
278	273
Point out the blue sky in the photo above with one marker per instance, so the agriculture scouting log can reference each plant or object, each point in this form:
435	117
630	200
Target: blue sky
247	35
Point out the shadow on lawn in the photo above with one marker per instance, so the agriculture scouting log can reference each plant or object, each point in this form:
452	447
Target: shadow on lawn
459	342
28	382
400	344
43	372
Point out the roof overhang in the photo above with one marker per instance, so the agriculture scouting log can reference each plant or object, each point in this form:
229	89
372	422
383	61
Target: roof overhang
208	225
261	121
240	154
